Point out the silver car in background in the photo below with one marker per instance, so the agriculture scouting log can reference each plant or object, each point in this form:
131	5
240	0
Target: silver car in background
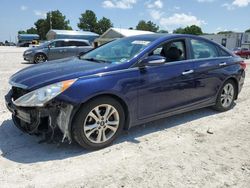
57	49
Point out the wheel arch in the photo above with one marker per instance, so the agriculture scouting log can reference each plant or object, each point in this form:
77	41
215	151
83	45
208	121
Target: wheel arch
236	84
40	52
111	95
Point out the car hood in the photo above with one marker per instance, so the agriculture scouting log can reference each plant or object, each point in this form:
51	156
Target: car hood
34	48
36	76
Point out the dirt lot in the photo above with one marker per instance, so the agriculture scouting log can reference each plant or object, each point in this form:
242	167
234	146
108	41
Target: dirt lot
172	152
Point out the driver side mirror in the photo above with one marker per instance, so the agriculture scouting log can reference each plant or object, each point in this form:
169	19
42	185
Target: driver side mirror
153	60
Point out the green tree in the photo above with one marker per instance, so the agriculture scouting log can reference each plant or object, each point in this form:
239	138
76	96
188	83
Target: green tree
21	32
42	28
57	20
147	26
88	21
54	20
31	30
179	31
248	31
103	25
162	31
193	30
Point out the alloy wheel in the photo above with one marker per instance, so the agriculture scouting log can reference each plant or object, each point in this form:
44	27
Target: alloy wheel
101	123
40	58
227	95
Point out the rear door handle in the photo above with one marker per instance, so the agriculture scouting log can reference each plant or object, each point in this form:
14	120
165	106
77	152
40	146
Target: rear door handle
187	72
222	64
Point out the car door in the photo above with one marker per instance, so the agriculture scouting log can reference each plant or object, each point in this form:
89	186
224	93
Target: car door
72	48
83	47
57	50
166	87
209	65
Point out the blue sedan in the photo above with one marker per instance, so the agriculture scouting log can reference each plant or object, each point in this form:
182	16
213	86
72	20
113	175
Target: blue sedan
130	81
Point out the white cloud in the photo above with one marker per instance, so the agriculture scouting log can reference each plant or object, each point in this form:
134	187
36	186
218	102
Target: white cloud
228	6
155	14
154	4
235	4
181	20
23	8
121	4
40	13
241	3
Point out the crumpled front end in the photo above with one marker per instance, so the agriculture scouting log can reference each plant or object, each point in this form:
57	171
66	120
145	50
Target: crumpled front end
55	115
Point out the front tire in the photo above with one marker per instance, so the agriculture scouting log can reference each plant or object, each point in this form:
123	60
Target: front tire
98	123
226	97
40	58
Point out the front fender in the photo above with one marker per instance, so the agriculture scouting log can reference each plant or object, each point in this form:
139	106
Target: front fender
123	85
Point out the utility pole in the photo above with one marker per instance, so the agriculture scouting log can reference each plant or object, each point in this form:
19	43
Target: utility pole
50	19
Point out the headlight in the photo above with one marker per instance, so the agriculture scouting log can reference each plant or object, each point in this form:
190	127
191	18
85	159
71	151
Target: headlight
28	52
41	96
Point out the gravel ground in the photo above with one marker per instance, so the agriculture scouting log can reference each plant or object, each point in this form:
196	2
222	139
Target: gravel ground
172	152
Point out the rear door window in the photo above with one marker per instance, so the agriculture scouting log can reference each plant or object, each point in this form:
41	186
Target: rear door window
60	43
202	49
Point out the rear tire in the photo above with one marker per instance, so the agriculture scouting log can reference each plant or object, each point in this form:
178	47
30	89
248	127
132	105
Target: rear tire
226	96
98	123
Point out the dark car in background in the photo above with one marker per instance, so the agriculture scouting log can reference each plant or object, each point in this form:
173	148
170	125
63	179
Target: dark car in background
242	52
126	82
56	49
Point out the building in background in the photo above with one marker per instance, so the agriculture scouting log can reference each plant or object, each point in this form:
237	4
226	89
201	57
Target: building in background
24	40
116	33
231	40
246	40
70	34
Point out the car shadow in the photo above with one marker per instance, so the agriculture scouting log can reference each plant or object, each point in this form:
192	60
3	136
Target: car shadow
27	63
23	148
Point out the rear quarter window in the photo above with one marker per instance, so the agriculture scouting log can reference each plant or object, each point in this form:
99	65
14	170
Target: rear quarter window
223	53
202	49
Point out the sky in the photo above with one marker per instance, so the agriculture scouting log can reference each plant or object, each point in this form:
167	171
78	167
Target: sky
211	15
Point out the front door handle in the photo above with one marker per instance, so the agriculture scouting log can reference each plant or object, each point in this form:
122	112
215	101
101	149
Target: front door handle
222	64
187	72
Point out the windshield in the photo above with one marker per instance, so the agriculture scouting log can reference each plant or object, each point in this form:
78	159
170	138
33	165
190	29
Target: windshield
118	51
45	44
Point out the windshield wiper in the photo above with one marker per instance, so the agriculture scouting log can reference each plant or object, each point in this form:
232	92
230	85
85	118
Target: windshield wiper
96	60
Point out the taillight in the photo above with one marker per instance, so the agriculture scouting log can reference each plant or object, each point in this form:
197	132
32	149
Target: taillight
243	65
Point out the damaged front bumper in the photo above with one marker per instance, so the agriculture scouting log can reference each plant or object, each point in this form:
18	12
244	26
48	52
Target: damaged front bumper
36	120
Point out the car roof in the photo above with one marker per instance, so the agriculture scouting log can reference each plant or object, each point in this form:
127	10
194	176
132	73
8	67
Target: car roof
160	37
166	36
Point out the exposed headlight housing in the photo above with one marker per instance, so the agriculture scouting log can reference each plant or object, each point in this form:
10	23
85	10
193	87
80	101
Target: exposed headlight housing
41	96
